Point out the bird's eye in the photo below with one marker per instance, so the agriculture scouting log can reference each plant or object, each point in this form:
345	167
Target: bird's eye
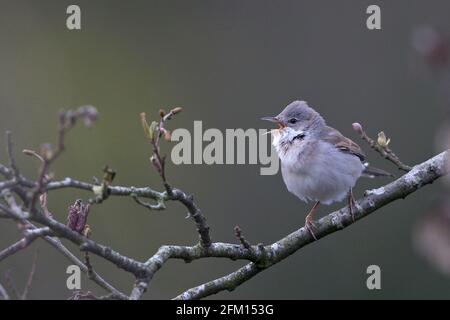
292	120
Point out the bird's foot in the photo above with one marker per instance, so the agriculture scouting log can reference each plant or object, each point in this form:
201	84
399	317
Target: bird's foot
310	225
350	209
351	205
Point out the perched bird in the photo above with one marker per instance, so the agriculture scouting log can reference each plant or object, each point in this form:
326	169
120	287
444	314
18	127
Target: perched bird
318	163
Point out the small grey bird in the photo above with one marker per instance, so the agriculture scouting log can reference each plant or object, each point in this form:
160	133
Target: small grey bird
317	162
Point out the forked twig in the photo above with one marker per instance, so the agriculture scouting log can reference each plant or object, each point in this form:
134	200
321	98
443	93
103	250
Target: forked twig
381	146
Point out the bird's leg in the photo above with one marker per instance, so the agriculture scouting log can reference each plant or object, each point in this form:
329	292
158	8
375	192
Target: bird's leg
309	224
351	204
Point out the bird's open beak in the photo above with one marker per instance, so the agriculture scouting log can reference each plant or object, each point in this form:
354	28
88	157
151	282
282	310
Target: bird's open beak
280	123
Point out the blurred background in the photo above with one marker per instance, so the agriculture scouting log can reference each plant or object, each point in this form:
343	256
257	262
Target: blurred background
228	63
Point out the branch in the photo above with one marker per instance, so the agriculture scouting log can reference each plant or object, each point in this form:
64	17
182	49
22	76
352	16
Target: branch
9	151
56	243
3	294
30	236
381	146
11	286
154	131
419	176
80	295
30	277
241	238
89	245
260	257
146	192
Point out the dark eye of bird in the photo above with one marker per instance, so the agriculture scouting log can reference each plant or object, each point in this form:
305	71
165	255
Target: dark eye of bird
292	121
300	136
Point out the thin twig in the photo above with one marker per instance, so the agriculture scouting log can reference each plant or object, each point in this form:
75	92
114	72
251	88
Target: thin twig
241	238
8	184
87	262
3	293
56	243
66	121
11	286
30	277
382	148
4	171
10	153
195	214
88	295
30	236
154	133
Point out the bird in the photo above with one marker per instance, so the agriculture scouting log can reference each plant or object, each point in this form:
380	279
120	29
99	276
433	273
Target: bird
318	163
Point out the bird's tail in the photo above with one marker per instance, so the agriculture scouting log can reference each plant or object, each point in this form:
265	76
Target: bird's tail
372	172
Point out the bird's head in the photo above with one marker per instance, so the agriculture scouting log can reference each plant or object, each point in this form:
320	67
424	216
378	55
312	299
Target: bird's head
297	120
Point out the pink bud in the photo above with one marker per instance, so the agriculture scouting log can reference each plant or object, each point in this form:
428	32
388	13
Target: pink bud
358	128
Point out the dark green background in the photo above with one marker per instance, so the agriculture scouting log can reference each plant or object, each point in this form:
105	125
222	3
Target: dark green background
227	63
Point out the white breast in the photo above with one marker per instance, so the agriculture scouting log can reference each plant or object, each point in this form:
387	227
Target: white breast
317	171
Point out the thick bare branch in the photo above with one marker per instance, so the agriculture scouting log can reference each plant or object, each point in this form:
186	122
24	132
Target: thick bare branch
420	175
415	179
260	257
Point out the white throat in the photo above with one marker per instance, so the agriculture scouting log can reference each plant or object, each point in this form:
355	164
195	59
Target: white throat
284	137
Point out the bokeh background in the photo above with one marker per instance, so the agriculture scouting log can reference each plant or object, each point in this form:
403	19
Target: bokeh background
227	63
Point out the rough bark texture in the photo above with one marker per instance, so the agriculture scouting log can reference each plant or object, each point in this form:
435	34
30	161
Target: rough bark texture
25	201
260	257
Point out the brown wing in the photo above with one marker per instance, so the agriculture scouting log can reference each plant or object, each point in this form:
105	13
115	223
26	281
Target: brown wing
342	143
